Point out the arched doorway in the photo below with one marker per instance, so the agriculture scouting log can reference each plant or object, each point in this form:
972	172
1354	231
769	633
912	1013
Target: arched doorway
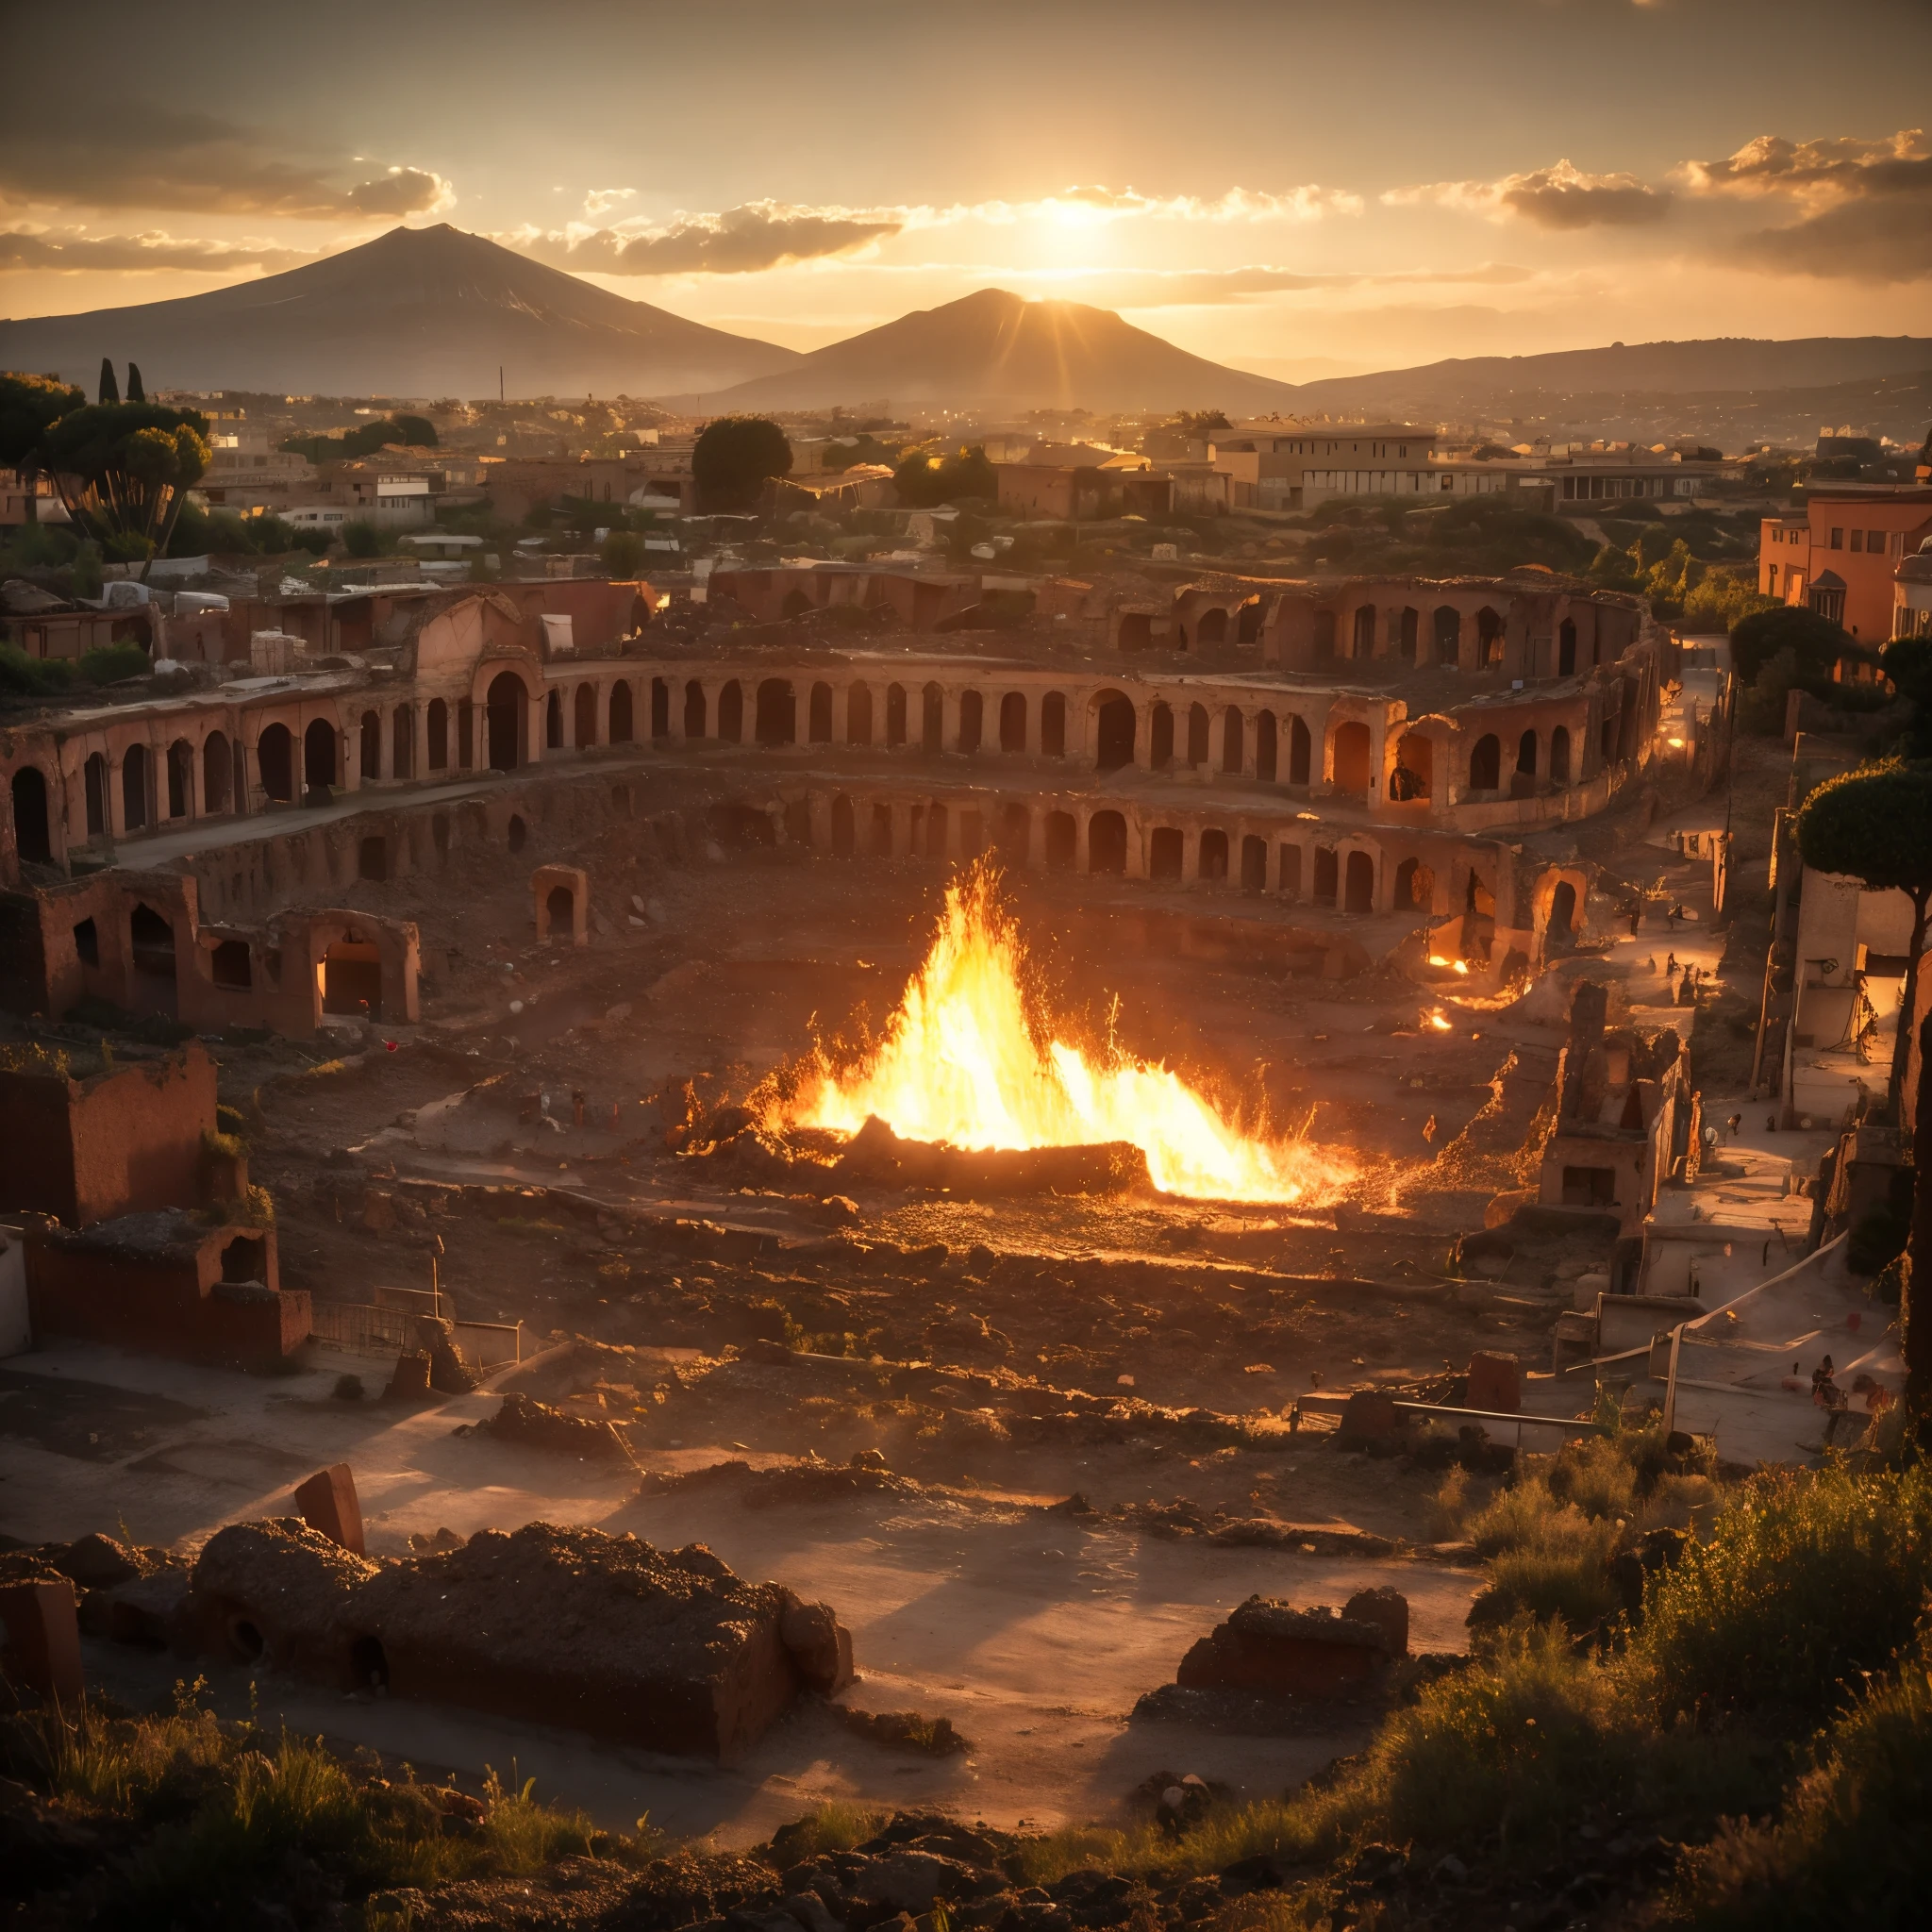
819	722
661	707
318	755
1566	649
504	707
1265	747
972	720
1322	641
134	788
151	948
1489	631
1327	874
1210	627
1136	630
1415	885
352	978
1358	894
436	731
1233	739
1408	625
1301	751
1013	722
180	778
368	748
1448	628
1161	736
795	606
584	716
1106	842
1014	837
858	715
1053	725
274	762
1062	840
1559	755
936	831
1113	734
731	713
1486	764
1415	767
932	721
1525	756
1351	760
1197	736
1248	628
217	767
1363	643
1560	930
1164	853
693	710
1291	874
32	830
1254	864
895	716
1214	855
776	718
560	911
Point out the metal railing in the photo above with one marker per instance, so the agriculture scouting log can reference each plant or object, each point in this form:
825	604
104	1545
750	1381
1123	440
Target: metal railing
361	1328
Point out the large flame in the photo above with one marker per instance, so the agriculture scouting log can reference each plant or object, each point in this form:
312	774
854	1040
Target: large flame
961	1063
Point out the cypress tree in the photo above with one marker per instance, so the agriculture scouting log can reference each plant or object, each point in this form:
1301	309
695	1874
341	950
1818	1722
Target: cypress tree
135	392
110	390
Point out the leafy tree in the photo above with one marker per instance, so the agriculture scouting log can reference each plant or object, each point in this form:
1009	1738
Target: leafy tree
623	555
124	470
925	478
1817	642
110	390
735	458
29	406
402	432
1875	825
1907	663
361	538
1198	426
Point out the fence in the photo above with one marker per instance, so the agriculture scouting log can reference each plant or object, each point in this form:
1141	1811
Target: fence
363	1329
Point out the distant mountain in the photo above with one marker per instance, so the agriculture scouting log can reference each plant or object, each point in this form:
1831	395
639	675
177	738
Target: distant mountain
1507	386
417	312
997	349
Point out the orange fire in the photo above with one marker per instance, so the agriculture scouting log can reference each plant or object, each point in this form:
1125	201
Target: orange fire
961	1063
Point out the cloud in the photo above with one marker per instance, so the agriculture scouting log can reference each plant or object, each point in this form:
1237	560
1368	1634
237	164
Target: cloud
1203	287
600	201
1308	202
756	235
22	249
1865	207
1562	196
136	154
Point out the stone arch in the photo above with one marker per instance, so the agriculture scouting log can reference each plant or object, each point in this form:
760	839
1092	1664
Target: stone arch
134	787
217	769
1408	625
1200	729
32	822
1301	750
731	712
971	722
1415	885
516	835
1327	876
1013	722
1210	627
895	716
1248	622
402	746
434	729
1052	725
1362	644
1213	864
795	606
1486	764
1254	863
1161	736
623	722
1559	755
1106	842
932	718
844	828
584	716
1136	631
275	761
231	966
1165	852
351	977
1560	929
661	707
1414	775
1359	887
776	718
1062	840
695	707
858	714
1525	755
1349	757
1267	751
181	775
1232	739
1566	648
369	746
818	723
151	947
504	707
1447	630
1114	725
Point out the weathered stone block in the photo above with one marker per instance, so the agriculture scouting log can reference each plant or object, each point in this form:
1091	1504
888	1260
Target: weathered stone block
329	1504
39	1637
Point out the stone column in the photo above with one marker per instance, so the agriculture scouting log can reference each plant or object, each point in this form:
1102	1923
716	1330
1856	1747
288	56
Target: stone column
1143	736
1190	856
1250	741
1137	836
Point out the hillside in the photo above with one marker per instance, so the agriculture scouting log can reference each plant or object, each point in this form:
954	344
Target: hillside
416	312
992	348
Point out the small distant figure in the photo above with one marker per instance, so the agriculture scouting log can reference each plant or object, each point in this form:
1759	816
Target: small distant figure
1669	965
576	1109
1771	1123
1430	1130
1650	964
1314	1378
1687	990
1736	1121
1636	917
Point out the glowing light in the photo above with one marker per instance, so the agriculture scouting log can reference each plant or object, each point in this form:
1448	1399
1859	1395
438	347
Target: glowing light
1437	1019
1676	744
1462	965
963	1061
1436	959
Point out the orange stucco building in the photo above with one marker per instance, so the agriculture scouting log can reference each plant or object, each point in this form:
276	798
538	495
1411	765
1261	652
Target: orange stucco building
1841	553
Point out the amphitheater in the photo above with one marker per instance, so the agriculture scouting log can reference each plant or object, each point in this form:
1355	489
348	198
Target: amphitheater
1359	764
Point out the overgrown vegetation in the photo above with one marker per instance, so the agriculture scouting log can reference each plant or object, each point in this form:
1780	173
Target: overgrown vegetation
24	676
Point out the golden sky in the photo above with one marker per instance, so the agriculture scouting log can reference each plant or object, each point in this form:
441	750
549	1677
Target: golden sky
1298	189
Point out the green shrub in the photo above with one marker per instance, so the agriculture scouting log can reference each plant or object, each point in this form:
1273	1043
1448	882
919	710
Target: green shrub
835	1826
1803	1582
1561	1574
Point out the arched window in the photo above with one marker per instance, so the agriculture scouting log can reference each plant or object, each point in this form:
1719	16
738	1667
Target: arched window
1161	736
1053	725
504	706
1197	736
436	730
32	827
151	944
1113	734
1358	894
1566	649
180	778
1164	852
402	747
217	769
1265	749
584	722
895	716
776	718
1062	840
660	709
1327	876
1248	626
1351	762
1525	756
1448	634
134	788
1324	636
1364	645
1106	842
1291	874
695	709
1486	764
972	720
368	748
932	729
844	831
1411	626
1232	738
858	715
819	724
1211	627
731	713
1214	855
1489	631
1301	751
1254	864
1013	722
